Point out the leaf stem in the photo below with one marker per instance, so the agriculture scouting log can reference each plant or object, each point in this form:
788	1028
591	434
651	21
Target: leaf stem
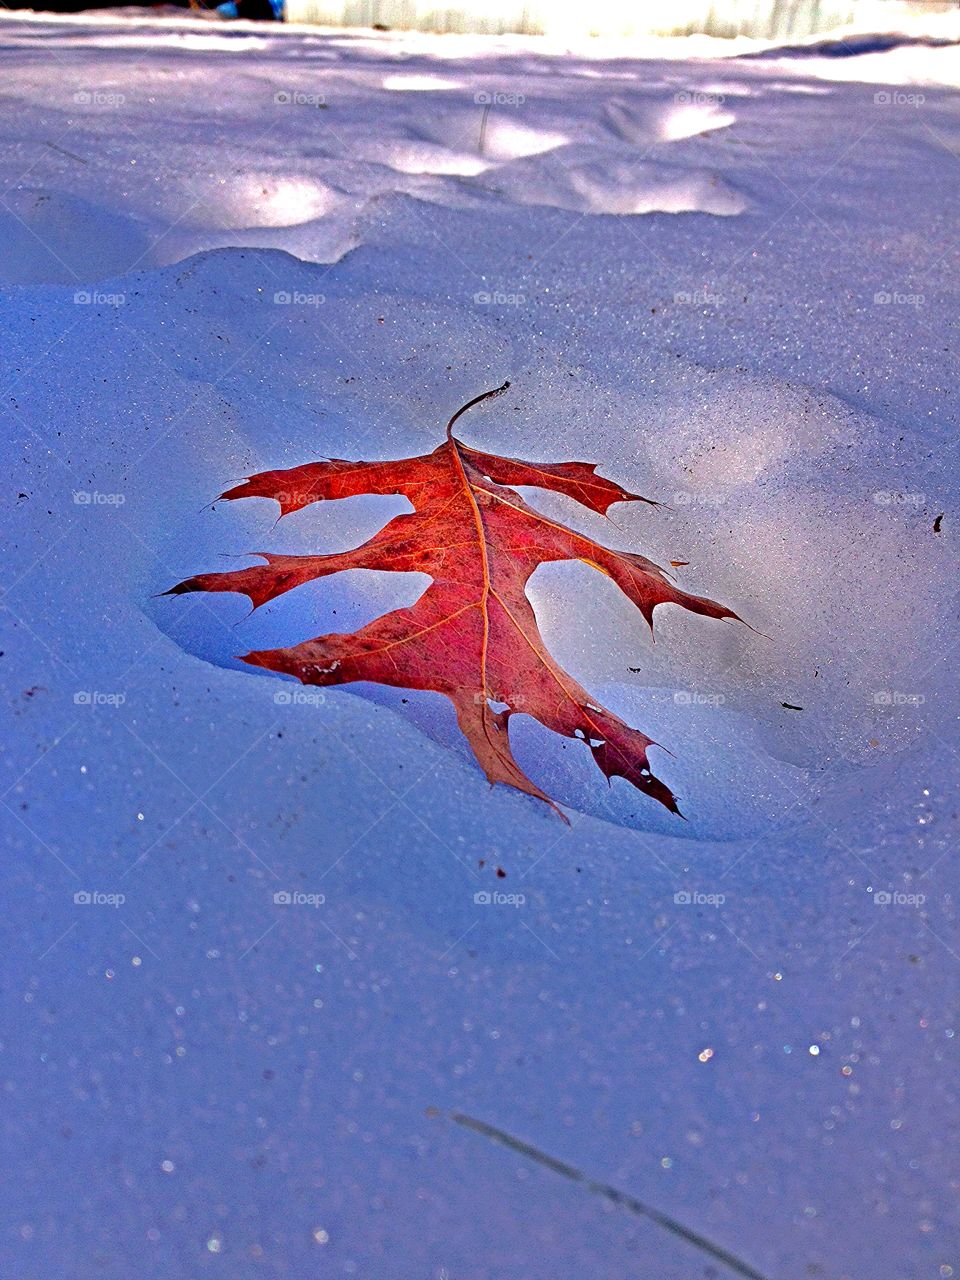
486	395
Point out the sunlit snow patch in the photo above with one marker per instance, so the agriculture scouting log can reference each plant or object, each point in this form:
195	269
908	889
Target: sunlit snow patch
418	83
584	181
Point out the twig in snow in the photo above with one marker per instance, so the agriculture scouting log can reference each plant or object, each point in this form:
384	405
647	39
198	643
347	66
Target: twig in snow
64	152
483	128
632	1205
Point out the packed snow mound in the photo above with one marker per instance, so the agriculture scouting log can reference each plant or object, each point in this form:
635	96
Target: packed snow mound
494	133
576	179
265	200
650	122
780	497
54	236
314	153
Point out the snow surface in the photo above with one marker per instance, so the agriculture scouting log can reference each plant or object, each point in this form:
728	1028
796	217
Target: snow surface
731	282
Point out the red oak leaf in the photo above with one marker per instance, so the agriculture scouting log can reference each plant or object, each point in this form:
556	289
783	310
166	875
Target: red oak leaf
473	634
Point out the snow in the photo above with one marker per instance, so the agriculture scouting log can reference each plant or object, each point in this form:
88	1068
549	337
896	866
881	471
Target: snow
725	279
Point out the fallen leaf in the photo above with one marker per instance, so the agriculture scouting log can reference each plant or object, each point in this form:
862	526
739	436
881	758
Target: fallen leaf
473	634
